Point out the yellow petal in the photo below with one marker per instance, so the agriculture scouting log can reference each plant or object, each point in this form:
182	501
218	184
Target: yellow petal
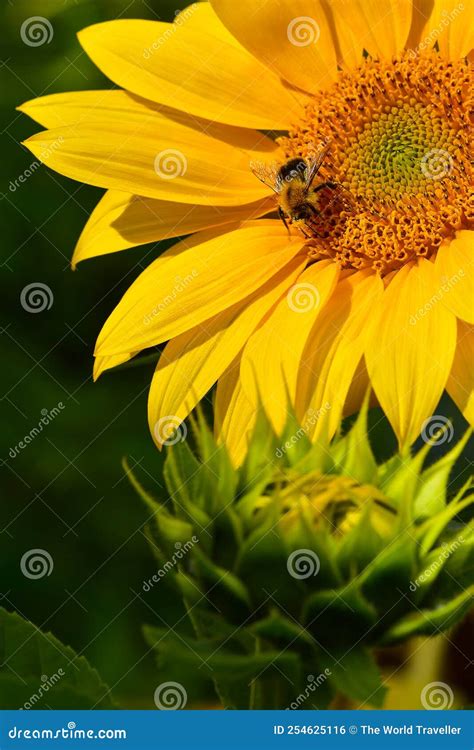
121	220
410	350
149	153
455	269
333	352
235	414
461	380
204	18
447	23
378	26
271	358
106	363
192	362
74	107
189	67
109	105
292	37
194	280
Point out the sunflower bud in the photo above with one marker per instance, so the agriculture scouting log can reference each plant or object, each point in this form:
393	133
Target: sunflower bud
307	560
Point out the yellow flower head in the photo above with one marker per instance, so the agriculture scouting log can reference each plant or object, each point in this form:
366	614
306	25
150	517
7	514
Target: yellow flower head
349	121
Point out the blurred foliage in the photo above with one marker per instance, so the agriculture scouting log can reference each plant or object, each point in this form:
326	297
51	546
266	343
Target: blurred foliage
66	491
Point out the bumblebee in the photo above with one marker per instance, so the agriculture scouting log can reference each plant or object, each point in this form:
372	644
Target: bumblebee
293	183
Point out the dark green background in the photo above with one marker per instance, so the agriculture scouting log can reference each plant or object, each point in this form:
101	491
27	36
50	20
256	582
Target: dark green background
66	492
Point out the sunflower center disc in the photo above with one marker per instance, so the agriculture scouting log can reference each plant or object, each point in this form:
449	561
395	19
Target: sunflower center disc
399	148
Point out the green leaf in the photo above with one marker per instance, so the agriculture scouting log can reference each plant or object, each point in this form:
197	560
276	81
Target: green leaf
431	530
150	502
431	493
318	458
459	567
355	673
212	627
354	616
398	479
219	577
359	546
233	672
353	454
38	671
278	628
293	444
438	558
217	475
172	530
259	464
388	573
431	622
182	474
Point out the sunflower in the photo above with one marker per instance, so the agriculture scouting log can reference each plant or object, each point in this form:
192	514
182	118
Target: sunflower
357	112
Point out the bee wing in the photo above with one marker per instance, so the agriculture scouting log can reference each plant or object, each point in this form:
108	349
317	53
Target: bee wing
314	164
266	173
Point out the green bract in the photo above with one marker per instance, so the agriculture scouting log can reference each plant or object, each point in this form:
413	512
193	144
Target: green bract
297	565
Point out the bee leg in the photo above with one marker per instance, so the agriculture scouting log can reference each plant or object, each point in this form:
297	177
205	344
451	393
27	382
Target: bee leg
304	233
313	209
282	216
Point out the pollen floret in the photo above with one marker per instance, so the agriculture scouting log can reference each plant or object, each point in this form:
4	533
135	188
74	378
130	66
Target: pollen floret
399	135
